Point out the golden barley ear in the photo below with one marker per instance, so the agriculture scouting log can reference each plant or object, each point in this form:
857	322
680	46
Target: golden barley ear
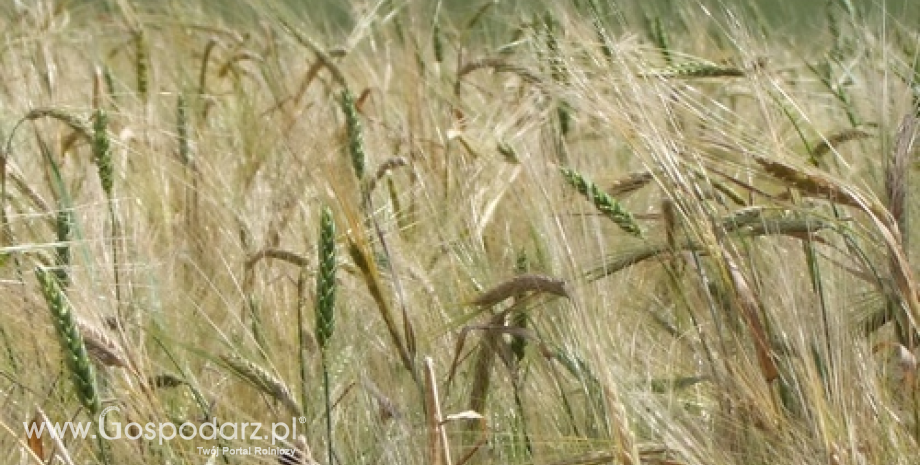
358	250
385	169
101	348
75	351
519	285
262	380
750	308
630	183
695	70
838	138
74	122
811	184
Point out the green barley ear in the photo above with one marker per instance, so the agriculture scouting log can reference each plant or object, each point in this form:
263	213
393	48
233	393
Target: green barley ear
556	63
185	147
603	202
325	308
353	129
75	353
64	225
109	81
437	41
141	63
325	280
102	152
522	266
599	30
660	38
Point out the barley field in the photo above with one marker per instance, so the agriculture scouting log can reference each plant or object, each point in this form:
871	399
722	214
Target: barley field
553	233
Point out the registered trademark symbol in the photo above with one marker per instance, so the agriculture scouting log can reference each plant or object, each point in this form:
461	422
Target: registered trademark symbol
303	420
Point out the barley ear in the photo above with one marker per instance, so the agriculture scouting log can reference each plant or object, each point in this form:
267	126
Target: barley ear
603	202
519	285
263	381
325	280
141	63
64	224
74	122
325	309
102	152
437	41
182	130
75	353
660	38
353	129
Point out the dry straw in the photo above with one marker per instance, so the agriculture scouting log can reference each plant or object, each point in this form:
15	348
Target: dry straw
438	446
